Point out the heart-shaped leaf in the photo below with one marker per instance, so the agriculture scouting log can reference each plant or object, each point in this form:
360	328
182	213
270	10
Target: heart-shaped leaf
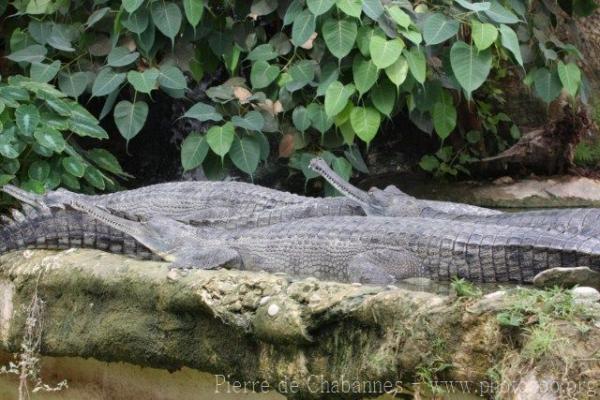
27	118
252	121
444	116
130	117
245	153
416	63
145	81
339	36
510	41
220	138
107	81
352	8
365	122
385	52
318	7
336	97
365	74
194	9
44	72
203	112
167	18
263	74
483	34
470	66
193	151
570	76
303	27
438	28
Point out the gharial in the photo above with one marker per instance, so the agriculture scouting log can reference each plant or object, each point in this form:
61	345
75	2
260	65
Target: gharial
391	202
363	249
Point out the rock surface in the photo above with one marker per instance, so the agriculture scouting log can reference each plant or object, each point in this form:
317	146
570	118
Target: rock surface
307	338
564	191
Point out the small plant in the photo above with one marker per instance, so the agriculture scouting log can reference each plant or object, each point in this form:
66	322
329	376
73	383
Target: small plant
27	367
38	150
464	288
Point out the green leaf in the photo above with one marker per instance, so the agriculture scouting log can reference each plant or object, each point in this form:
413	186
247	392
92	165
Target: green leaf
263	52
263	74
501	15
121	56
352	8
106	82
373	9
5	179
511	42
263	7
429	163
137	22
318	7
74	166
105	160
547	84
85	124
364	37
96	16
302	73
416	64
171	77
130	117
94	177
339	36
385	52
383	96
39	170
220	138
438	28
73	84
365	74
484	35
50	138
245	153
303	27
167	18
44	72
145	81
295	8
193	9
8	150
399	16
477	7
27	118
203	112
336	98
61	37
470	67
398	71
252	121
365	121
193	151
318	117
300	118
570	76
31	54
131	5
444	116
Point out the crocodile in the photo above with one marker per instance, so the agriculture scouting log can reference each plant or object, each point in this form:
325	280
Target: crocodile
392	202
63	229
201	203
376	250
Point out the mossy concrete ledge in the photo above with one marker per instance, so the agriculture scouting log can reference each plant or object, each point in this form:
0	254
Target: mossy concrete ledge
303	338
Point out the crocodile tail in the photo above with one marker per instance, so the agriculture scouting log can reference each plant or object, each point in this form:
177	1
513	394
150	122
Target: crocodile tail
63	229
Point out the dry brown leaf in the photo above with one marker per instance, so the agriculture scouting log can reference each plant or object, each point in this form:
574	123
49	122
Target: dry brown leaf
270	107
242	94
309	43
286	146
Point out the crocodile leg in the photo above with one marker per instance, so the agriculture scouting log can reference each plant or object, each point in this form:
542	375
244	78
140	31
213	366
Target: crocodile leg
191	257
383	266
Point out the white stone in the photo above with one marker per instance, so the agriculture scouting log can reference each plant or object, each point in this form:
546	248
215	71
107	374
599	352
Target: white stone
584	294
273	310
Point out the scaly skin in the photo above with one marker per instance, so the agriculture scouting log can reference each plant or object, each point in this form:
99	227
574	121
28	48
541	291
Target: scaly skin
575	221
365	249
192	202
391	201
63	229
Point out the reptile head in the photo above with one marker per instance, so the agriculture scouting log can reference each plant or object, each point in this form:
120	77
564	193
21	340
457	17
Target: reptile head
391	202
